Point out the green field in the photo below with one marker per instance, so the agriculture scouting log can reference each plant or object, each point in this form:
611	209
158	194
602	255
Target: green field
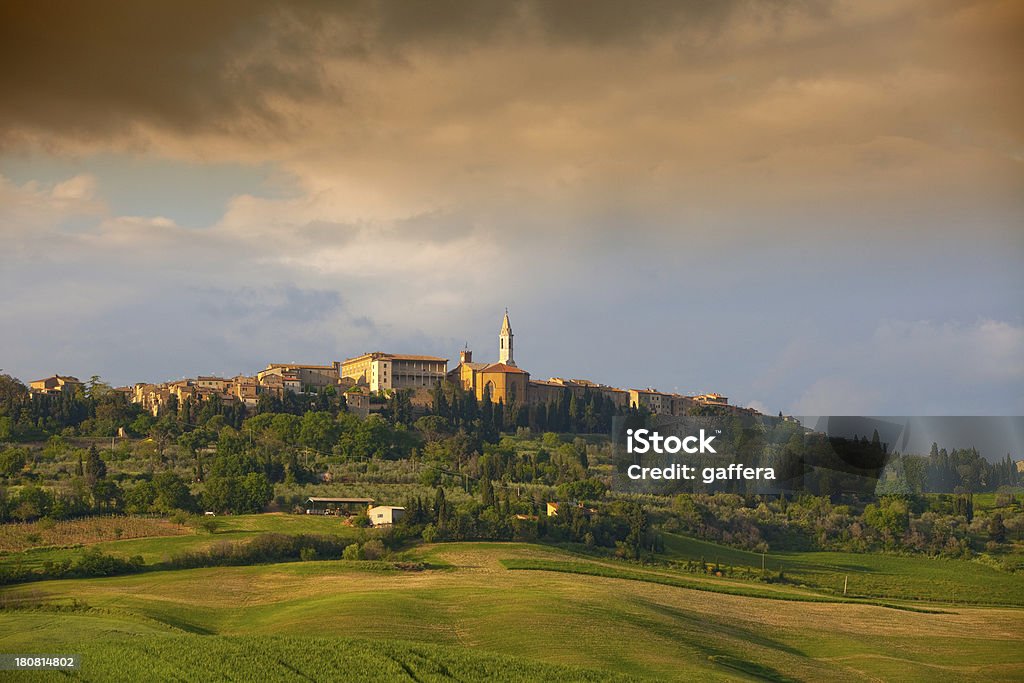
279	658
870	575
154	550
474	618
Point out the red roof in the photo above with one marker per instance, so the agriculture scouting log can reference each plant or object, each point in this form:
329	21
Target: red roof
502	367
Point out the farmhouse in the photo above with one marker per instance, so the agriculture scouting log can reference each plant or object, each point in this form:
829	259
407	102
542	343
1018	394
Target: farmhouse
383	515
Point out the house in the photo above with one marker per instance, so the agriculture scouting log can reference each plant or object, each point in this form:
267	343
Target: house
382	515
299	377
56	384
553	509
653	400
712	399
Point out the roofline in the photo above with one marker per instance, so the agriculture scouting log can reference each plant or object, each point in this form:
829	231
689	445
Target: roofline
395	356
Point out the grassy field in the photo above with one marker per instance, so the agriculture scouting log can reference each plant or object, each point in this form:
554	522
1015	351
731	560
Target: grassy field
88	530
870	575
698	583
156	549
460	622
274	658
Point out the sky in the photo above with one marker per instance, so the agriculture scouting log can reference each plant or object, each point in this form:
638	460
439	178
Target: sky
810	207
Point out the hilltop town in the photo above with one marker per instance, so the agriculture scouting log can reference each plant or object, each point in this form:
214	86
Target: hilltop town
366	378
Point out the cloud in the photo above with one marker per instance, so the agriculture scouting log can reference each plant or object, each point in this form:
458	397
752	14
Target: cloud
749	194
452	104
837	395
80	187
986	351
939	367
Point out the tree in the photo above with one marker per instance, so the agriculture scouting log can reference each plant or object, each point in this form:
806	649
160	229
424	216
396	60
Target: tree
487	490
221	494
195	440
13	396
95	468
96	388
432	427
140	497
890	516
106	496
32	502
319	431
584	489
440	508
163	432
637	519
258	492
997	528
12	461
171	493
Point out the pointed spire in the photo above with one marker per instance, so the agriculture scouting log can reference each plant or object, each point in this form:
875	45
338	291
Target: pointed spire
505	354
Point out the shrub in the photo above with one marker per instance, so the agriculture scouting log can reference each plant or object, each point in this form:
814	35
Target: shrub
180	517
207	524
351	552
373	549
263	548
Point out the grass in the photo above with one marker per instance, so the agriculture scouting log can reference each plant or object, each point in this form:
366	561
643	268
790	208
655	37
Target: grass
157	549
484	621
870	576
269	658
692	583
310	615
17	537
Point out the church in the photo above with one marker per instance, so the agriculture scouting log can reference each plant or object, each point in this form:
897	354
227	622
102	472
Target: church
502	381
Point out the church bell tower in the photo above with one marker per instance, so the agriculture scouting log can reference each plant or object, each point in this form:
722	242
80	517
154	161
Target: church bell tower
505	343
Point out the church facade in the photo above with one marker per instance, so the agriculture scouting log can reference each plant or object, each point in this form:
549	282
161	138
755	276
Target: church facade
502	381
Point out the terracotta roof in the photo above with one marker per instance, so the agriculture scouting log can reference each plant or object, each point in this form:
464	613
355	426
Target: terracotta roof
66	378
502	367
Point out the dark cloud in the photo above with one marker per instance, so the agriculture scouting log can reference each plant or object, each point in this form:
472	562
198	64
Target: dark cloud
271	305
93	70
96	68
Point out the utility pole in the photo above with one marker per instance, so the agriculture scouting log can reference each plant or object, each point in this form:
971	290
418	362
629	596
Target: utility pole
846	582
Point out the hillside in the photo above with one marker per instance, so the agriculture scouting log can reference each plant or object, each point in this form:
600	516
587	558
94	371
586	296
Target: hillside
302	615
